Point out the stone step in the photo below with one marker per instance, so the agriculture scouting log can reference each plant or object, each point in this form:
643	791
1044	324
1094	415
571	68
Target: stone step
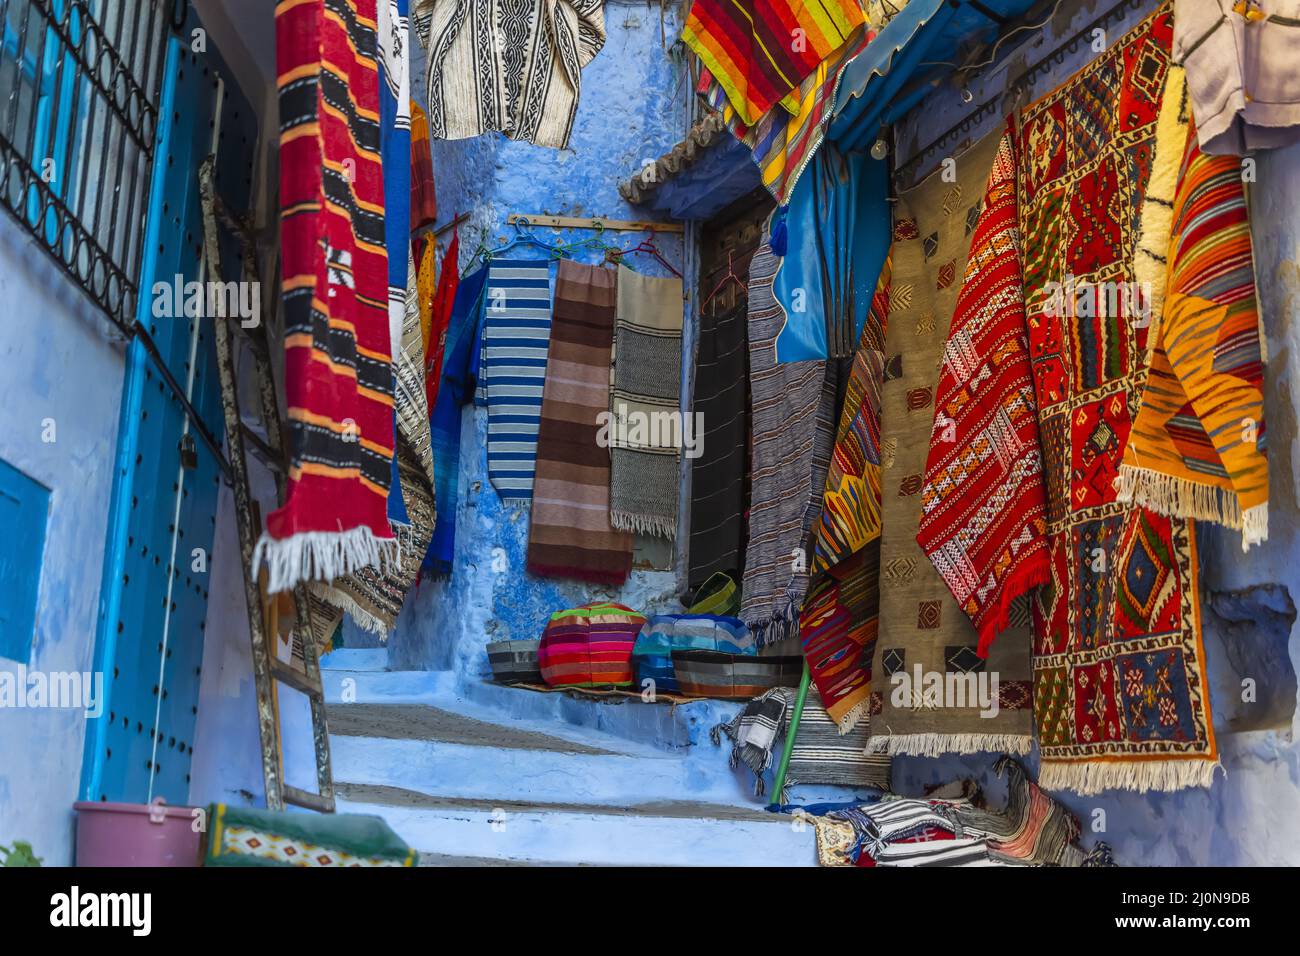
423	722
536	774
450	831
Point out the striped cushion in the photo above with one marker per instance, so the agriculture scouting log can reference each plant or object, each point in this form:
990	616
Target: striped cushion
821	755
589	646
733	676
664	633
514	662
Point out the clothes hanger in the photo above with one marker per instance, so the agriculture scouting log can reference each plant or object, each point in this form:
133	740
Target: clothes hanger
646	246
524	236
729	277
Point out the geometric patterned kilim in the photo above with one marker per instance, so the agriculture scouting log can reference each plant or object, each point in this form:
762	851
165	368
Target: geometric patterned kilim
1120	696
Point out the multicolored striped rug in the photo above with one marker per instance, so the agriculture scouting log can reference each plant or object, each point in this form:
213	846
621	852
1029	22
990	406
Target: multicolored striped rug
512	369
338	345
762	50
569	532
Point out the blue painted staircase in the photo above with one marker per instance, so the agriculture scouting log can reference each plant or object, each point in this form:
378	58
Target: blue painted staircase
476	773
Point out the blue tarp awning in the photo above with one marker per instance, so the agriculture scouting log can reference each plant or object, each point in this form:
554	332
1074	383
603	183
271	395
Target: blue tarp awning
901	65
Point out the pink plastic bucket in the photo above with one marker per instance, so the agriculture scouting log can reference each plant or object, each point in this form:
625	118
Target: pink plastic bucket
136	834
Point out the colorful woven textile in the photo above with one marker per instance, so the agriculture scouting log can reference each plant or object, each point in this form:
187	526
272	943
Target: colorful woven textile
393	33
754	732
733	676
1032	829
820	754
589	646
246	836
514	66
934	692
424	195
850	513
373	598
718	474
717	595
458	384
1120	695
338	346
645	436
760	51
514	662
1197	447
983	505
410	396
838	627
793	407
663	633
784	144
512	369
569	534
440	306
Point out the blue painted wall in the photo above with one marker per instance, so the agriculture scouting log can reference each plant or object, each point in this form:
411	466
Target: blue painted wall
56	364
632	109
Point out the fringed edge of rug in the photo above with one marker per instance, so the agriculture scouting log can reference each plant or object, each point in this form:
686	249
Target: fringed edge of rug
1143	776
366	620
773	626
1151	259
850	720
936	745
1025	579
656	525
322	556
1183	498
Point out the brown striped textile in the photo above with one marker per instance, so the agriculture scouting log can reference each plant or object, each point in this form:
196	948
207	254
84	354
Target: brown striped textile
570	535
793	405
732	676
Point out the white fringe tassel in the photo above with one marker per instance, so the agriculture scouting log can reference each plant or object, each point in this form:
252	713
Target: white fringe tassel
1181	498
644	524
322	556
851	719
936	745
345	603
1141	775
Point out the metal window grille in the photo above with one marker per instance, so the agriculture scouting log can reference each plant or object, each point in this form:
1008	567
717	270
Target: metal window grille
79	87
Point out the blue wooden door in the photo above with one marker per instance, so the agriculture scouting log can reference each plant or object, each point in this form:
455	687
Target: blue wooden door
154	593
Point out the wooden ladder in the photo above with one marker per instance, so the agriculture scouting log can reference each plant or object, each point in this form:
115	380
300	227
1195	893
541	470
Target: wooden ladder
264	611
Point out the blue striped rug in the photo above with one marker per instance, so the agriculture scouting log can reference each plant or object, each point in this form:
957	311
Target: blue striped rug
512	367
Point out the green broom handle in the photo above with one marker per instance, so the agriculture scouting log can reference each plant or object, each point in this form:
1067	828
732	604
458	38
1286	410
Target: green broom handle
789	737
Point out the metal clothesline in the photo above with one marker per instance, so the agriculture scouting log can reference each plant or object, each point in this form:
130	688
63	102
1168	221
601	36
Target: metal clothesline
1016	88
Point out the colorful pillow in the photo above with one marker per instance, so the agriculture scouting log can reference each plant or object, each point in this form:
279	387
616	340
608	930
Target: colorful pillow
733	676
514	662
589	646
664	633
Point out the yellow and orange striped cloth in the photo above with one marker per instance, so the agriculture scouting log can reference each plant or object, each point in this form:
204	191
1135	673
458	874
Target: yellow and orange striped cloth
1197	447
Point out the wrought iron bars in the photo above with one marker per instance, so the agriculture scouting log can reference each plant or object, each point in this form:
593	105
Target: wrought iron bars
79	88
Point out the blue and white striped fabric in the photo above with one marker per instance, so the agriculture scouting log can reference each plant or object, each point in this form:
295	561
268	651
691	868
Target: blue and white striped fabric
512	368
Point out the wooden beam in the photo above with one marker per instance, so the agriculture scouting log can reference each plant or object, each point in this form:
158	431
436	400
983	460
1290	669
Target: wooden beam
614	225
